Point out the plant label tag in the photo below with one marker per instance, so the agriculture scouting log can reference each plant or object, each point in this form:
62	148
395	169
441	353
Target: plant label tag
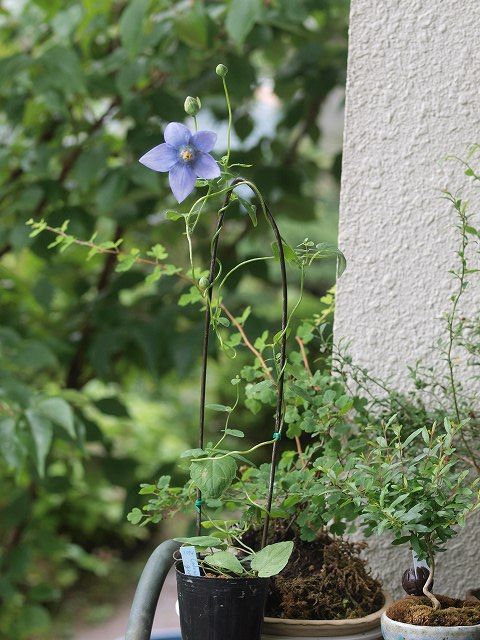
190	562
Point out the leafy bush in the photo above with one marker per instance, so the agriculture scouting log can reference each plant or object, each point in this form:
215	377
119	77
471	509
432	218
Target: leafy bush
414	490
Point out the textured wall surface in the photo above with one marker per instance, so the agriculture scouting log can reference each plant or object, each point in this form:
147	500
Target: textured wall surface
413	98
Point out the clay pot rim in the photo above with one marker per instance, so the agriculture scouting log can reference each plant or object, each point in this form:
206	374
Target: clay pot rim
371	617
425	626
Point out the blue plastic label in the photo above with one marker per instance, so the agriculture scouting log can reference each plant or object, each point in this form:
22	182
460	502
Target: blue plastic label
190	562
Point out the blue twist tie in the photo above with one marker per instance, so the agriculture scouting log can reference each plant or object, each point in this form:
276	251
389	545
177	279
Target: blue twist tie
276	435
198	504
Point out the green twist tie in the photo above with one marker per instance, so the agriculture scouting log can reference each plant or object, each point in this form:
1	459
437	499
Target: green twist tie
198	504
276	435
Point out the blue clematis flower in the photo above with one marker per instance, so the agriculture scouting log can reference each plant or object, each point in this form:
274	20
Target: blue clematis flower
185	155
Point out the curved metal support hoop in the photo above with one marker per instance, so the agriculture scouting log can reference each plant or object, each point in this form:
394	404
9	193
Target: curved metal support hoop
283	349
148	591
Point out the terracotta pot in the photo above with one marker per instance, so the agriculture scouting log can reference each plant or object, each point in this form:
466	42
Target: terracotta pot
366	628
393	630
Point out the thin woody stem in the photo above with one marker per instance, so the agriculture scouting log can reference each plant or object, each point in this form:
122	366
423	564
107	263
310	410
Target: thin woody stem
426	587
304	355
247	342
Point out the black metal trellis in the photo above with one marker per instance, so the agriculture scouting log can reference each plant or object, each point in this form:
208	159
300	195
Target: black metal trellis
283	348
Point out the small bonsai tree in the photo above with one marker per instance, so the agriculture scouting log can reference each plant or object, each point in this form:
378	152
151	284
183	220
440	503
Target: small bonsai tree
409	486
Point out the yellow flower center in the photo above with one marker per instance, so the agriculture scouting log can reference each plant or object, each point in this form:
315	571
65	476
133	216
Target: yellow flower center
186	155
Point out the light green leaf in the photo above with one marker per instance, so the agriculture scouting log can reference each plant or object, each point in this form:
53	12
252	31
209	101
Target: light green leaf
59	412
192	453
272	559
288	252
225	560
201	541
42	430
302	393
154	276
329	250
126	262
219	407
131	25
241	17
192	26
212	477
236	433
8	439
135	516
158	252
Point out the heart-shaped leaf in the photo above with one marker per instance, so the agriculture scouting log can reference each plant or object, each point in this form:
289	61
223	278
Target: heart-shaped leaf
272	559
213	476
201	541
225	560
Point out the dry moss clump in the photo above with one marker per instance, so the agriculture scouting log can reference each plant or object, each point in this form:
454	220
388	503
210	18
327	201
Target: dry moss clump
418	610
324	580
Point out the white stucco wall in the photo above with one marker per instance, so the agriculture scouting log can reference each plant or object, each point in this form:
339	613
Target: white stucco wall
413	97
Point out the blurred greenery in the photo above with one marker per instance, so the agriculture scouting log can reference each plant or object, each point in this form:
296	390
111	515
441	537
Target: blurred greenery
99	371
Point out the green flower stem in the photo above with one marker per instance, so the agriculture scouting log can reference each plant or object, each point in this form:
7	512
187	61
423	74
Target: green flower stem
252	502
229	108
241	264
231	453
228	417
461	276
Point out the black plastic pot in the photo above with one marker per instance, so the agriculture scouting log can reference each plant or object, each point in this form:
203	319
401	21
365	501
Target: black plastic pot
220	608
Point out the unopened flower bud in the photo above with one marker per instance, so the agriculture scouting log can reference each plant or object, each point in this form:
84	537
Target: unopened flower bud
221	70
203	283
192	105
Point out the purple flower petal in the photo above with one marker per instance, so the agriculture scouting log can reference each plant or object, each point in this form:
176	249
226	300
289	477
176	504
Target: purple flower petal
160	158
182	180
205	166
204	140
176	134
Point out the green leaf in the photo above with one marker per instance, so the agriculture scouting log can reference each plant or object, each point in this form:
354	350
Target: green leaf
288	252
225	560
241	17
212	477
131	25
42	431
126	262
219	407
201	541
154	276
192	26
193	453
412	437
135	516
158	252
328	250
236	433
272	559
302	393
59	412
147	489
8	439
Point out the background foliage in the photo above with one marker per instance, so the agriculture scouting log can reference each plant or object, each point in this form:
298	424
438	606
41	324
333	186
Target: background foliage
98	379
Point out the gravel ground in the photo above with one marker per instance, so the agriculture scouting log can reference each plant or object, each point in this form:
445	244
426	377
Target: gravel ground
115	627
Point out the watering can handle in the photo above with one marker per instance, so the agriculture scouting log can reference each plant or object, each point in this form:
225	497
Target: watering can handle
148	590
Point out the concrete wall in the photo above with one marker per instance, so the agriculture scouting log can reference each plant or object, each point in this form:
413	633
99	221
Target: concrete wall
413	97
